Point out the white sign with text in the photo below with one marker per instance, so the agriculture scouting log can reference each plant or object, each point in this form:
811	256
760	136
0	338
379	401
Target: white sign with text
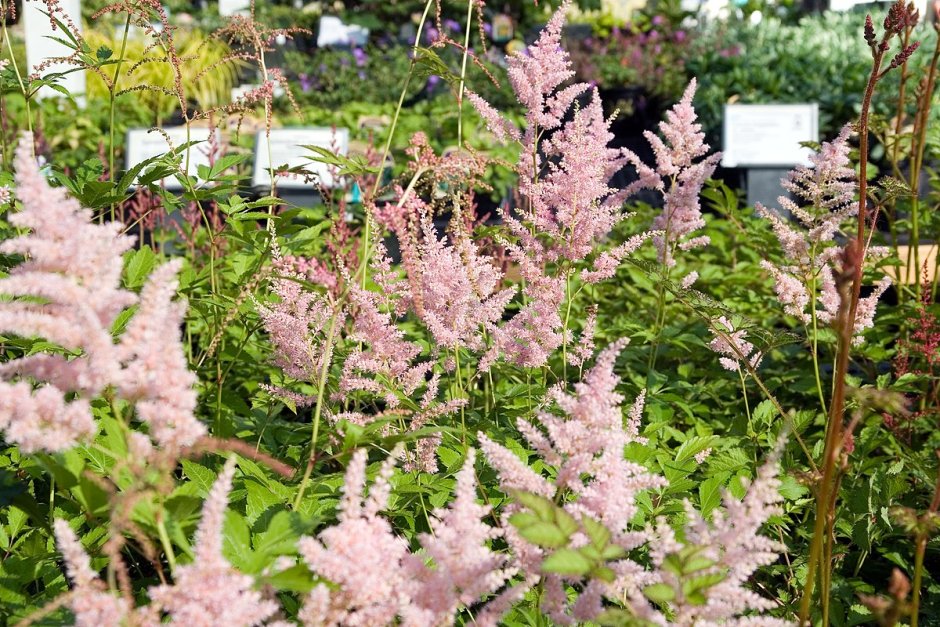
143	144
769	135
287	149
41	45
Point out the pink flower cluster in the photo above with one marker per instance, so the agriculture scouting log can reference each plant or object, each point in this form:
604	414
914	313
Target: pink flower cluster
68	292
205	593
676	154
732	345
732	544
827	188
586	448
378	580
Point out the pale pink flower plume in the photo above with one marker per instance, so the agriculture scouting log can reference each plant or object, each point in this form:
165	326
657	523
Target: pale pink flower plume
378	581
361	555
459	295
732	541
73	268
156	373
677	154
90	601
584	348
731	344
209	591
383	356
564	168
827	190
295	323
462	569
586	446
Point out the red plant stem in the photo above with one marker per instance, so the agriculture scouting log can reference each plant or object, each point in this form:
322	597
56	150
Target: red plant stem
855	251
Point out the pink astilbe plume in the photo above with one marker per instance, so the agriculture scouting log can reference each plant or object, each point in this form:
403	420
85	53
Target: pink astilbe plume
89	600
209	591
156	374
825	193
383	353
454	289
463	568
564	169
297	323
361	555
72	275
731	344
586	447
378	581
530	337
677	154
72	280
735	548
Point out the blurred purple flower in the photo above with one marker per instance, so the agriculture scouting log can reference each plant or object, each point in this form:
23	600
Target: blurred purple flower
487	28
432	34
305	83
658	20
680	36
452	25
433	80
361	57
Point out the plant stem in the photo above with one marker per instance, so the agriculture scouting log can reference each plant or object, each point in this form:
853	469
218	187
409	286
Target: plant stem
747	407
848	309
321	388
463	74
165	540
112	89
367	227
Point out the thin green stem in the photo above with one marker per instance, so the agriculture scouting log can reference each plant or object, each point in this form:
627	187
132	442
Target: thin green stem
321	388
747	407
165	540
463	74
367	227
112	90
564	345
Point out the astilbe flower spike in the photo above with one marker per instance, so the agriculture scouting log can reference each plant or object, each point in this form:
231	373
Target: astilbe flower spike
565	165
733	545
732	345
72	277
586	447
677	161
209	591
378	580
92	604
827	191
156	374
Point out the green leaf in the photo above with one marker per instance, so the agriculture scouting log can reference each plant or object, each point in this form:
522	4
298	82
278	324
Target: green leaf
567	562
659	593
545	534
543	507
598	533
103	53
139	266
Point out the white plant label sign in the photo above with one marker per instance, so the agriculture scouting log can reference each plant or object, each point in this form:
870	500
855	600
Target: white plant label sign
769	135
41	46
287	149
143	144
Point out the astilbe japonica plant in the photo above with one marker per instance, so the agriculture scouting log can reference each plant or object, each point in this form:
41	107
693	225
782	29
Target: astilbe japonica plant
571	531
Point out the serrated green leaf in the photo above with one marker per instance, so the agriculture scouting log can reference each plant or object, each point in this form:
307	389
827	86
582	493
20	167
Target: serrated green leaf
659	593
567	562
544	534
